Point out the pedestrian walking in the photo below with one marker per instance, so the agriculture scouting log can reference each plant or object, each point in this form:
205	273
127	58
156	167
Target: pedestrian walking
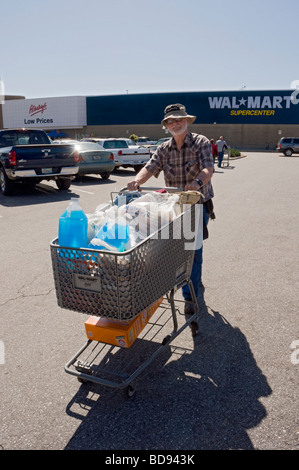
221	146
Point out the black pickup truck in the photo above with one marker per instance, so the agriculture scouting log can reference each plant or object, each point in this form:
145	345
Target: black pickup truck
29	156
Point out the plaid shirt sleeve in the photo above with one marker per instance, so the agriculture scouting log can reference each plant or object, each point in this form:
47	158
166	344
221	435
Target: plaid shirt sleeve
155	165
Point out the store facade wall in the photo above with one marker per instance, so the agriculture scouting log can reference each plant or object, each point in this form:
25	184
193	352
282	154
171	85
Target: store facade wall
253	120
247	119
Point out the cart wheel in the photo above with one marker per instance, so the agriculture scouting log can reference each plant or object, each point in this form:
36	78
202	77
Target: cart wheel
131	390
166	339
194	328
82	381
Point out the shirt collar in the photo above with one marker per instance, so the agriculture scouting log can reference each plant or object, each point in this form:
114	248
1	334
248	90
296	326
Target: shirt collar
188	138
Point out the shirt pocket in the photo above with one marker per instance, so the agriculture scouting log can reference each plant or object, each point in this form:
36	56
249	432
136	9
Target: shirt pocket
192	168
169	170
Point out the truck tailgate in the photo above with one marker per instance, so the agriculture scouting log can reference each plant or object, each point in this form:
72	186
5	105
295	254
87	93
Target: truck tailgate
41	156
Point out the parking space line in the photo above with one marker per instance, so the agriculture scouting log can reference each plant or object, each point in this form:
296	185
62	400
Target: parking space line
82	191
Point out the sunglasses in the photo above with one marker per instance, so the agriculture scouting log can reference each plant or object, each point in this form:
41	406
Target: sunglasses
171	121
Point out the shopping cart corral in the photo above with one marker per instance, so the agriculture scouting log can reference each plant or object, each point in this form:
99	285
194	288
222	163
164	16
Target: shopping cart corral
127	288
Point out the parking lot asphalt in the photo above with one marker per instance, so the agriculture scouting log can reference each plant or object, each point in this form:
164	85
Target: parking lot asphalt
233	386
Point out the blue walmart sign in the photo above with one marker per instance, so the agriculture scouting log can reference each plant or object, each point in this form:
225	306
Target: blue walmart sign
239	107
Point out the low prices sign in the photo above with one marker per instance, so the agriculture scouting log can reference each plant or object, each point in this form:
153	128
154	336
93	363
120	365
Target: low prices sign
45	113
33	111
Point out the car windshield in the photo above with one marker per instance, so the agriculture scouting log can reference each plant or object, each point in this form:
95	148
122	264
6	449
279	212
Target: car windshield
115	144
160	141
22	137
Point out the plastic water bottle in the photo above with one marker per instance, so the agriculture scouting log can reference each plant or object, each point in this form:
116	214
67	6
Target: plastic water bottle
73	226
111	237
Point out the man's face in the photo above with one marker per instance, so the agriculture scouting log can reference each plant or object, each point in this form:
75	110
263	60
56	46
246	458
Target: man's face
177	126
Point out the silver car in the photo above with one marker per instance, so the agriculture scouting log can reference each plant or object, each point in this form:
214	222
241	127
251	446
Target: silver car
288	146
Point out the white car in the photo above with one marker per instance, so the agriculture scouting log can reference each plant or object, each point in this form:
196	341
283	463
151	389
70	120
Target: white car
65	141
125	155
144	141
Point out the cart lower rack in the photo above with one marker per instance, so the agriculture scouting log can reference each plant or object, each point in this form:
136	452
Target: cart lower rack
116	367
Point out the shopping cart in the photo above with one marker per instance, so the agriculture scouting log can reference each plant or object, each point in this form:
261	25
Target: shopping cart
119	285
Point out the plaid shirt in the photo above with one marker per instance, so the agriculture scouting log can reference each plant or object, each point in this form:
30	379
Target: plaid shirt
183	166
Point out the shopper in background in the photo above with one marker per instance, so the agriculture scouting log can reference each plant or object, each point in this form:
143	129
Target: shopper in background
187	162
221	146
214	149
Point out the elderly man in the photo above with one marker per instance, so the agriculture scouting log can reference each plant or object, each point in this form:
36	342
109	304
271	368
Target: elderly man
187	161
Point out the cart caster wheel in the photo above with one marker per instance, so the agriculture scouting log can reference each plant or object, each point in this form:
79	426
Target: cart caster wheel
194	328
131	390
82	381
166	339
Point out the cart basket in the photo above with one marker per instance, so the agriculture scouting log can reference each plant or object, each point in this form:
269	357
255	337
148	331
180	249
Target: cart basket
121	285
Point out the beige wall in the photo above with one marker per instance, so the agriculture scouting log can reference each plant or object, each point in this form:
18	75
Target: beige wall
240	136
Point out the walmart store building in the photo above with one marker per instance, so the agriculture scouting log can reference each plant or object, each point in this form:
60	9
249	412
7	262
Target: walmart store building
248	120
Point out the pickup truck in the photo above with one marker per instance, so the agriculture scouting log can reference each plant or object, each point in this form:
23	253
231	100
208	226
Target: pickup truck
29	156
125	155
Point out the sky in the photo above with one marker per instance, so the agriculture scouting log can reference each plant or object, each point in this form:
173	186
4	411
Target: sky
111	47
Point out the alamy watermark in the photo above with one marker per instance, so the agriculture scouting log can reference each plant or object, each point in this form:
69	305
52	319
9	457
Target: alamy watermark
2	353
156	222
295	94
295	353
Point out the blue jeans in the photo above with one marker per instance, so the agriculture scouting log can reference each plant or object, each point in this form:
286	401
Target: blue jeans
197	266
220	158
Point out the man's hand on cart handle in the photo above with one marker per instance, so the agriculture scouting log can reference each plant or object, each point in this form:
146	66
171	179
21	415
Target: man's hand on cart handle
140	179
133	186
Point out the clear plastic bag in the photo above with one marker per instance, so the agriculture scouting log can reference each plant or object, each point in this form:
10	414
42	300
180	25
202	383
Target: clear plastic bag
143	216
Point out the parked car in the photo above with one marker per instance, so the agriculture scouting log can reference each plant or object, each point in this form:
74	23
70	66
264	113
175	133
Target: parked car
130	142
124	155
29	156
65	141
145	141
288	145
94	160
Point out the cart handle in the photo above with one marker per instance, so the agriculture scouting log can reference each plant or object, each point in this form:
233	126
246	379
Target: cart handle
150	188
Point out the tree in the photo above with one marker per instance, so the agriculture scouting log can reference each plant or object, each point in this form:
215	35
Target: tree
134	137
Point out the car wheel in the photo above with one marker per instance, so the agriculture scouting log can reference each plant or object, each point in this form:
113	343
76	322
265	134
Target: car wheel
106	175
63	184
6	185
288	152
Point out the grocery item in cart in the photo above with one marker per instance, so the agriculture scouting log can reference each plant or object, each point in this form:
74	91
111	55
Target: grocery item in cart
119	333
113	236
72	230
124	226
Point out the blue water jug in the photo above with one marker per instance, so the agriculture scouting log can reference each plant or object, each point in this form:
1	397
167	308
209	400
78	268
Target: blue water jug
114	235
73	224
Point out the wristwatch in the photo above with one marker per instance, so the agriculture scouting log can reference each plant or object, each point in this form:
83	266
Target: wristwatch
198	181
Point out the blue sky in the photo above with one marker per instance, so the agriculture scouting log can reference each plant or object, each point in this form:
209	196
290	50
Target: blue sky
99	47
